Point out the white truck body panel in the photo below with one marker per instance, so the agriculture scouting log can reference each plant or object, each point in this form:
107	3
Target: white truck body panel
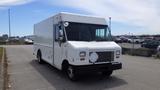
89	47
82	18
43	33
97	45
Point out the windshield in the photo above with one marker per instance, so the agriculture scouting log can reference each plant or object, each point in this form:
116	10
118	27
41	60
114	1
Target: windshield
87	32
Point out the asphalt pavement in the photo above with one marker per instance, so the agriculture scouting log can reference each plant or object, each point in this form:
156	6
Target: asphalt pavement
138	73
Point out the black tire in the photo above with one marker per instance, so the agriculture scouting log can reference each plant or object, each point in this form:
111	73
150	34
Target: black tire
71	73
129	41
39	58
107	73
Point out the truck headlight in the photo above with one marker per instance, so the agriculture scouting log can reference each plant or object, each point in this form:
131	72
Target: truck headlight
82	54
118	52
93	57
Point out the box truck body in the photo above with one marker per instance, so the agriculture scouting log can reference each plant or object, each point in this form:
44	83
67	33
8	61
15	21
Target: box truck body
76	44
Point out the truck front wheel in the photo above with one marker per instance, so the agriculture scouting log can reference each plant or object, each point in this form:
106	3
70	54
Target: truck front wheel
71	73
107	73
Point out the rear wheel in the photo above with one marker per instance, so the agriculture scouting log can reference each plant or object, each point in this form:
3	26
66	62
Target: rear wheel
40	61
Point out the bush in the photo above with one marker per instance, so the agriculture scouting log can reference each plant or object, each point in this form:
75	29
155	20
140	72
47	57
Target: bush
126	50
2	42
158	55
144	52
139	52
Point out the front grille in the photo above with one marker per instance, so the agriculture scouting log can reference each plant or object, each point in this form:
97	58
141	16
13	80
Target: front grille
105	56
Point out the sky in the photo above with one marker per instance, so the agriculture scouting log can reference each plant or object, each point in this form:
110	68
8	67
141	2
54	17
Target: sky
128	16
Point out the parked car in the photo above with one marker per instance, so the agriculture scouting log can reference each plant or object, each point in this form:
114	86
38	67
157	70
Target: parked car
138	40
158	51
118	40
158	48
124	39
152	44
28	41
135	40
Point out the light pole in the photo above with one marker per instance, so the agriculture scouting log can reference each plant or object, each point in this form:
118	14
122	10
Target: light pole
110	23
132	43
9	24
110	27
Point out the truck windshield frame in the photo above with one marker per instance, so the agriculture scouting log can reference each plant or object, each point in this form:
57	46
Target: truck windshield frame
87	32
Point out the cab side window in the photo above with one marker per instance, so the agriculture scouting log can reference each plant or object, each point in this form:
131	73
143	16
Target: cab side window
59	28
56	32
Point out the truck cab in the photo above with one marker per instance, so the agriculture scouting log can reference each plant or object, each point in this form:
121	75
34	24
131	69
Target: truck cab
80	44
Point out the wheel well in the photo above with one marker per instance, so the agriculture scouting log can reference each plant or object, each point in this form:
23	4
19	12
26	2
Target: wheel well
65	65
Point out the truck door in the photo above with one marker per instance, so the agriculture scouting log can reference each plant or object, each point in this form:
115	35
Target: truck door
57	48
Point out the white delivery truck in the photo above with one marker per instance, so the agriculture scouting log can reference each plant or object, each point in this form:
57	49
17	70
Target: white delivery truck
76	44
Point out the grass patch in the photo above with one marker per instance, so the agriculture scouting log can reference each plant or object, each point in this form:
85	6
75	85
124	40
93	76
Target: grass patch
139	52
4	73
1	74
158	55
1	52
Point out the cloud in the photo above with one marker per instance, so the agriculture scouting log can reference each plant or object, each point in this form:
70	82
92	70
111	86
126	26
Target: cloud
6	3
139	13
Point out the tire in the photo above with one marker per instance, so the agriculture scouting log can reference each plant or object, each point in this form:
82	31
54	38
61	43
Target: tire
39	58
129	41
142	46
107	73
71	73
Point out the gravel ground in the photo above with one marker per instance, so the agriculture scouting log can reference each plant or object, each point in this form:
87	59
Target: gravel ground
4	77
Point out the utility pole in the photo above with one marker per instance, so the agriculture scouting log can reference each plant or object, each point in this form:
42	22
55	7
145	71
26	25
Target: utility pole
9	24
132	44
110	25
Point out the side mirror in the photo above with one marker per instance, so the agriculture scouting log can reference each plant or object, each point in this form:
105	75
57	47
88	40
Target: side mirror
61	34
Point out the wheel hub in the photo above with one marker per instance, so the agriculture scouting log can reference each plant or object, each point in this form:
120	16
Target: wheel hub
70	72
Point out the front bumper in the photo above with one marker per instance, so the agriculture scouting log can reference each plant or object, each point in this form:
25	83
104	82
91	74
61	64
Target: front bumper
97	67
